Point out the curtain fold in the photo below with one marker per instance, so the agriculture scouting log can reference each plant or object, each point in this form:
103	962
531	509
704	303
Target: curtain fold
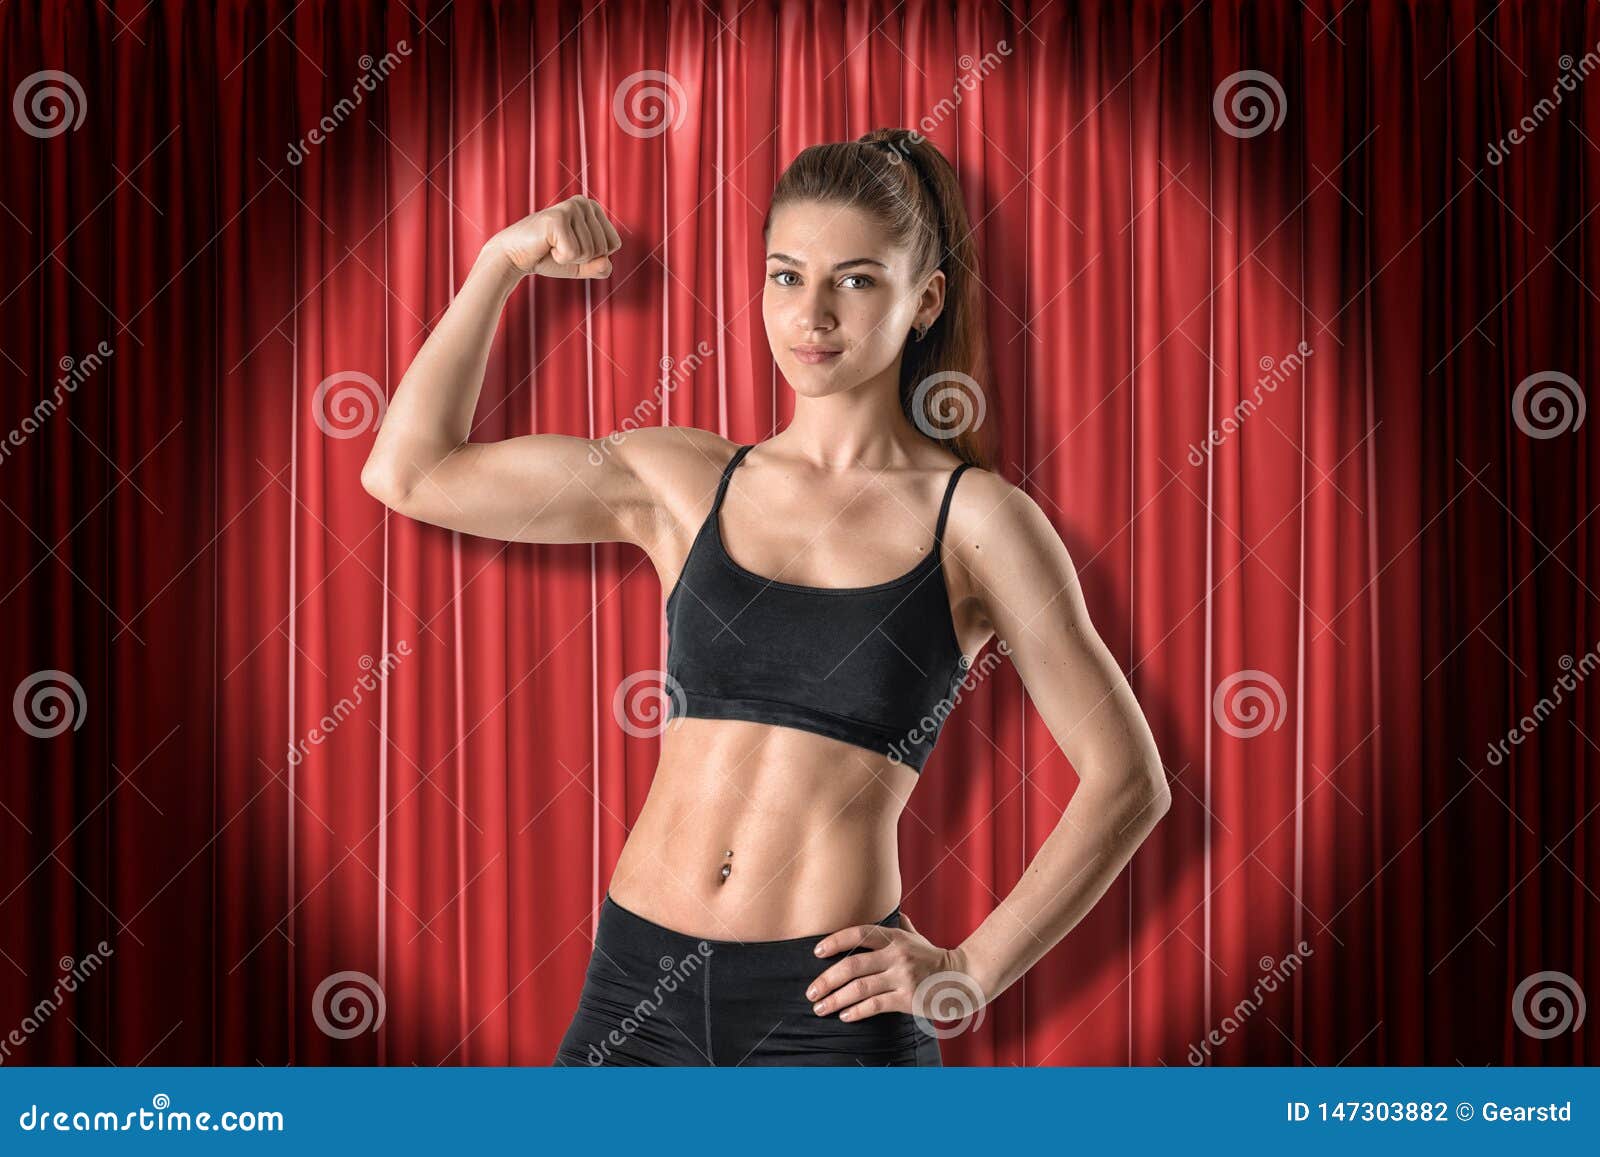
1289	315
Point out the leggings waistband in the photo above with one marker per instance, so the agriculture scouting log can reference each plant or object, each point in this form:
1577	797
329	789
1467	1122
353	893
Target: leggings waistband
662	933
653	996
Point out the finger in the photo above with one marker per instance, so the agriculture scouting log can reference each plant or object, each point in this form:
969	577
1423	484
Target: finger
599	264
905	922
563	244
595	219
839	975
872	935
612	236
855	991
873	1005
854	965
578	222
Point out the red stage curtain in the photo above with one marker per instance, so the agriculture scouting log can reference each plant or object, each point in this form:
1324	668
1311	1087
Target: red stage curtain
255	204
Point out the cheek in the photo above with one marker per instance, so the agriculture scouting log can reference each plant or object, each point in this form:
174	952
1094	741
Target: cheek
881	321
879	340
771	311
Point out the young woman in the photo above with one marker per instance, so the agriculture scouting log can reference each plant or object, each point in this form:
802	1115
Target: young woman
828	587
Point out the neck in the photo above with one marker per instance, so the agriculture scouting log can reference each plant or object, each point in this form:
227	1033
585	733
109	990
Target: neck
864	426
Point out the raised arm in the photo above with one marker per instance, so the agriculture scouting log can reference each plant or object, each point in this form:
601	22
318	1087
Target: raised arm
532	488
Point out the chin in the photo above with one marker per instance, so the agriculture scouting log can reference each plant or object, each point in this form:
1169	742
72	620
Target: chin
818	381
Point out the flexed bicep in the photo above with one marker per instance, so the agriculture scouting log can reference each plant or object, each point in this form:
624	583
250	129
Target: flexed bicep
537	488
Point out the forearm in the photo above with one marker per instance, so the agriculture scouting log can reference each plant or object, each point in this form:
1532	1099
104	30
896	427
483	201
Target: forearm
1103	825
431	410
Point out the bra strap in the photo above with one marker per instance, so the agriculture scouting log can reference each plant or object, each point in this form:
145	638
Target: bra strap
944	509
727	473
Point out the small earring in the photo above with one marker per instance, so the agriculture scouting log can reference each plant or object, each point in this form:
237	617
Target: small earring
922	332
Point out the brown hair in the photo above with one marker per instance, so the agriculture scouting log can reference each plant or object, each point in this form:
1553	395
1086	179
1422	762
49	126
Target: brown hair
901	178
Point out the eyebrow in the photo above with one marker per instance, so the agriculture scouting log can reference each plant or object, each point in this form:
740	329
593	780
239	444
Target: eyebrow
787	260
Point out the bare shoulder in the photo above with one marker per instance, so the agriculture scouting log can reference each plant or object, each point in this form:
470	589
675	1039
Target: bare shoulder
1010	553
989	514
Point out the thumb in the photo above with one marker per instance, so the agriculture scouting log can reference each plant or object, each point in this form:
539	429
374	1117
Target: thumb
599	267
905	922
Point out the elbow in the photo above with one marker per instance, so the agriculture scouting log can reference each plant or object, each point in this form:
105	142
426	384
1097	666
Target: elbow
383	482
1148	789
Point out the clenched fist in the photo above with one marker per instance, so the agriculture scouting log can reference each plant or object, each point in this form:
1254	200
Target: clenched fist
571	238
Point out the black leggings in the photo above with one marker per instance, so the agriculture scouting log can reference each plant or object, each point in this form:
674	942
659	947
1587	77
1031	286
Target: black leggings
652	996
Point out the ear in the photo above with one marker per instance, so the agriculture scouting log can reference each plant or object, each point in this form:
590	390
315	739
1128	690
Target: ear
932	302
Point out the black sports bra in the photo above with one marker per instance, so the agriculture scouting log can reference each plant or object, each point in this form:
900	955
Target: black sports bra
874	666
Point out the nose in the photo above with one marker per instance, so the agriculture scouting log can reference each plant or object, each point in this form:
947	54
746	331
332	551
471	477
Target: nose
815	312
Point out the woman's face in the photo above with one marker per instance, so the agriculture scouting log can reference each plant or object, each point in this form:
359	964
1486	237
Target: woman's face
839	304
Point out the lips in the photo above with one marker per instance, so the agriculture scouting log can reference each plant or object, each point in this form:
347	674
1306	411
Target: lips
815	355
